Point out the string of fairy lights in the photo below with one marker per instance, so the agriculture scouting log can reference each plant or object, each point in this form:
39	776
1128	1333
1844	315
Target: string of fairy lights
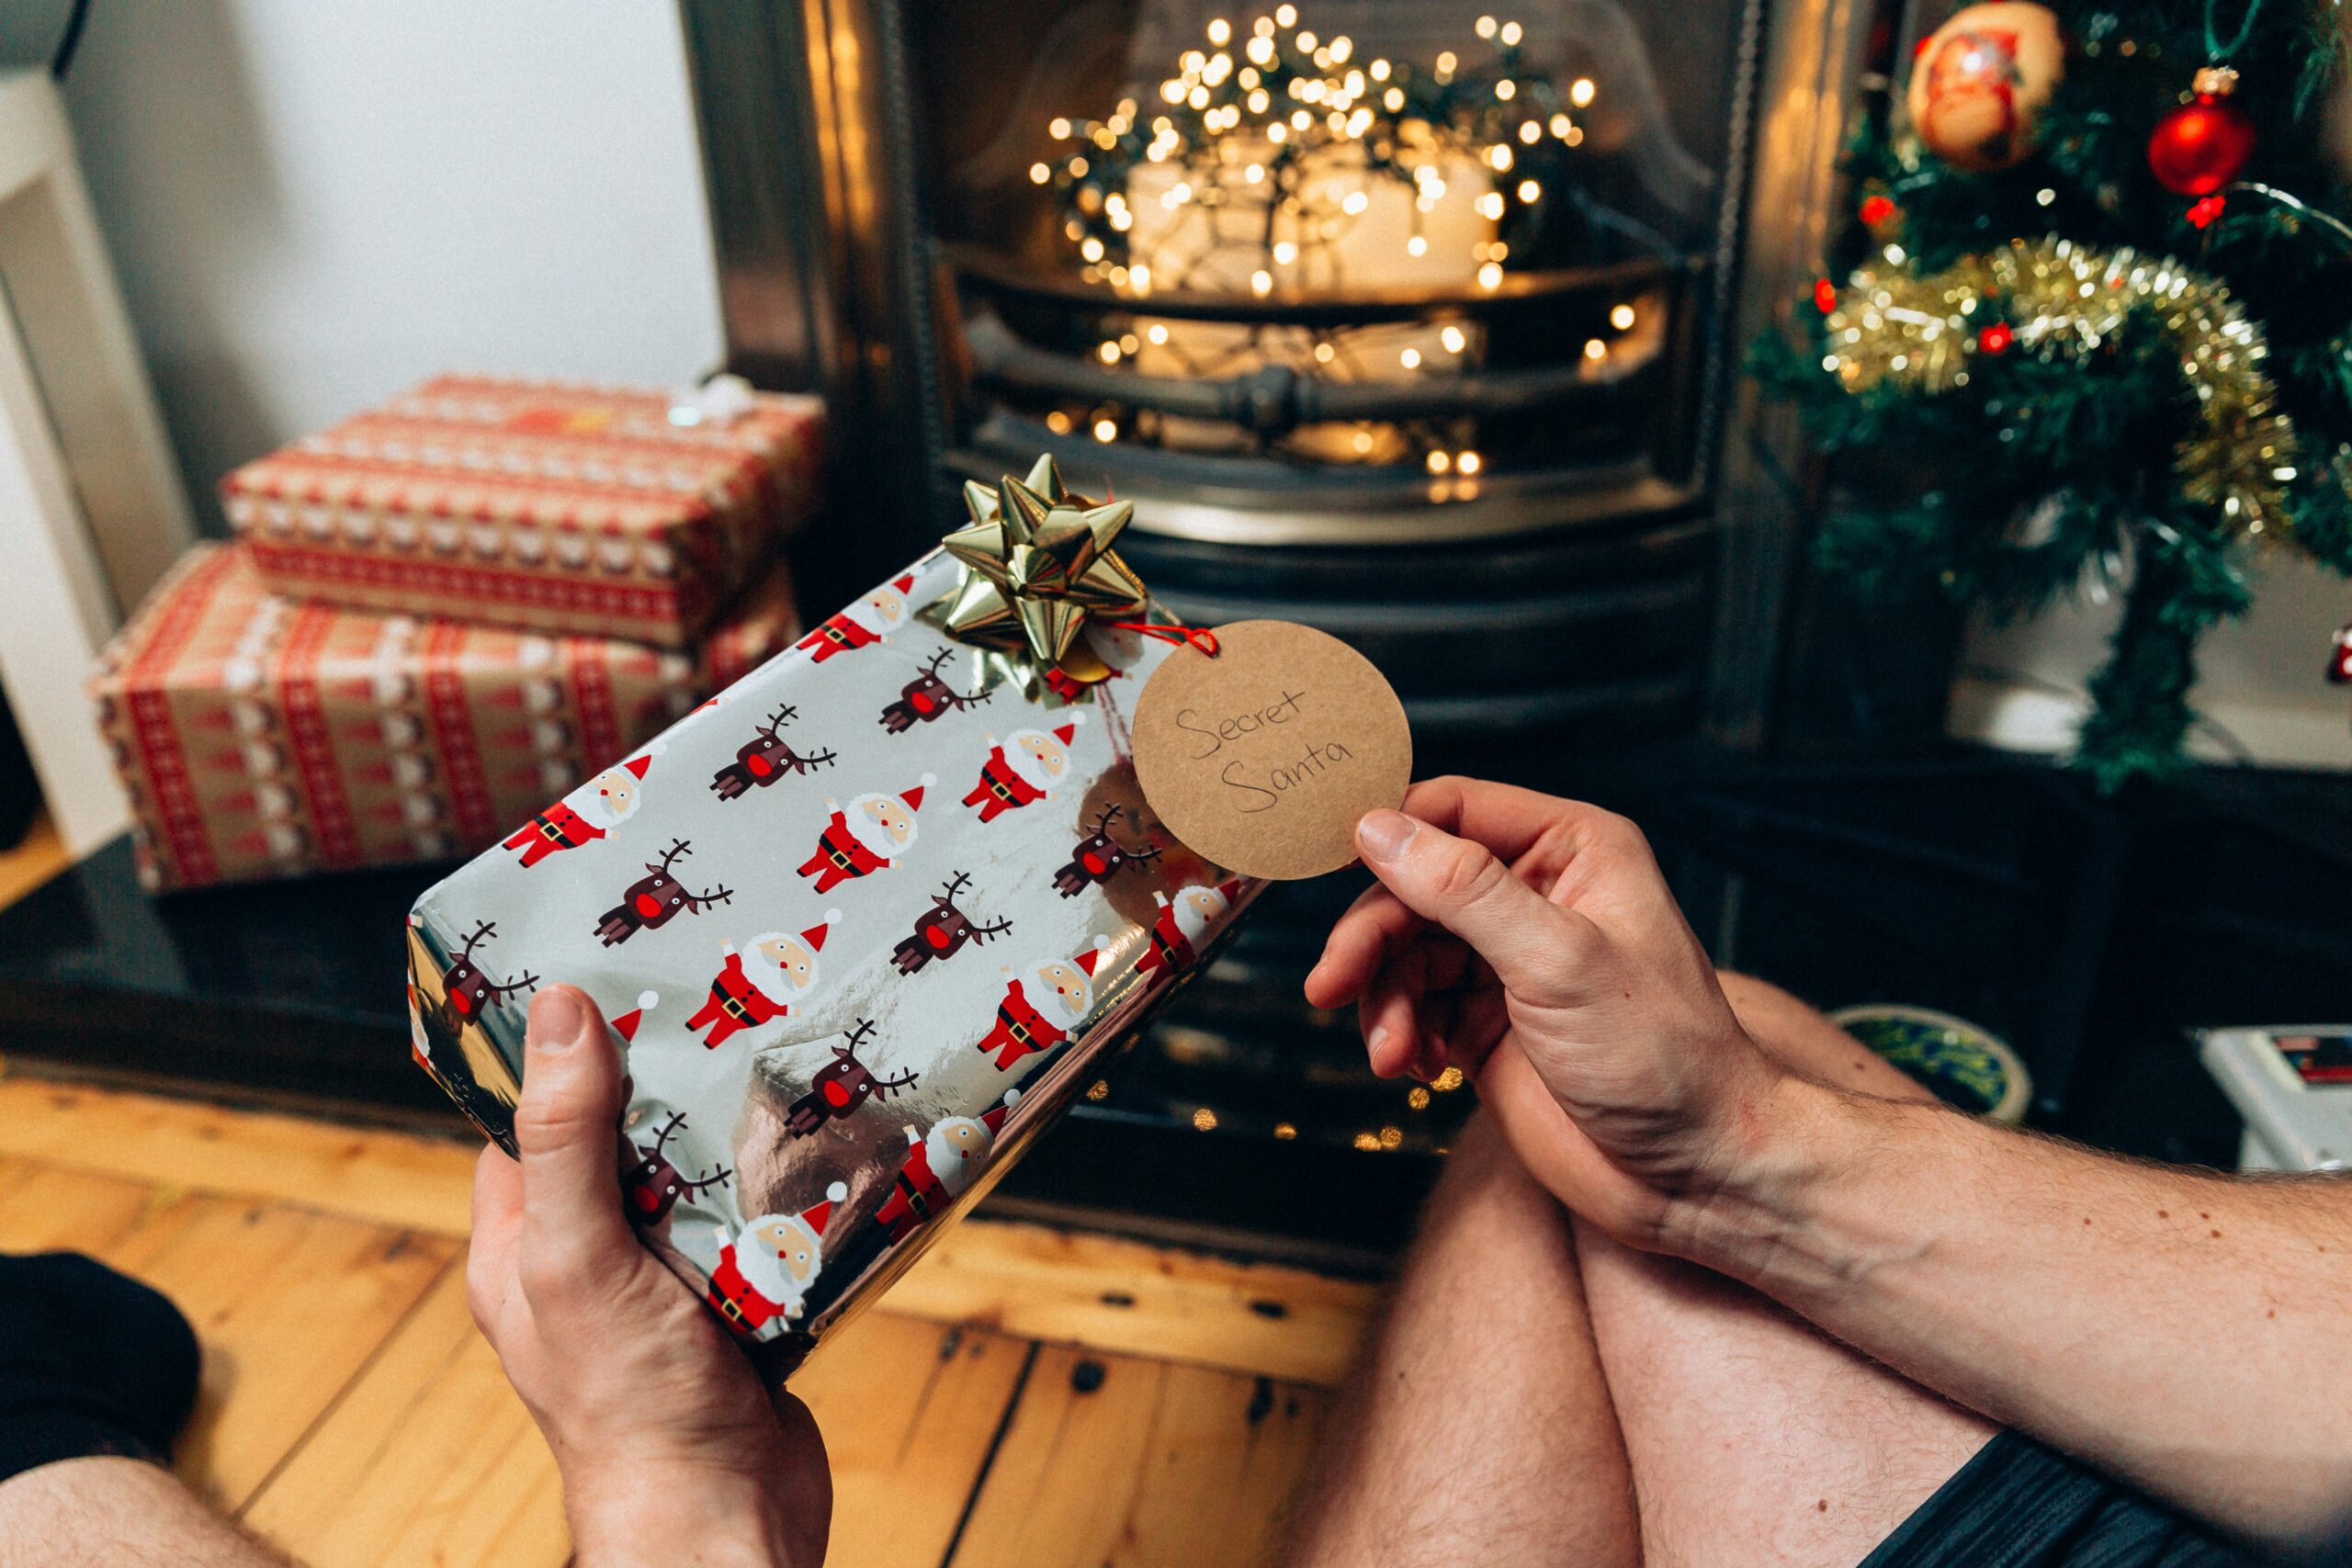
1271	162
1296	131
1371	1140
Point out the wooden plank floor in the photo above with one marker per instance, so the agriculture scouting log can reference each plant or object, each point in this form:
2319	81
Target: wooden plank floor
1024	1396
28	864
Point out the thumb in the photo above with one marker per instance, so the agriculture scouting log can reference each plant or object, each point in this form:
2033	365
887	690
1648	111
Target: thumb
1459	884
565	1127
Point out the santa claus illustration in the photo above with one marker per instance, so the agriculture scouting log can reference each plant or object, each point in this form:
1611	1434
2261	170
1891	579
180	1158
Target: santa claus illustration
941	1165
763	1273
760	987
1040	1008
627	1023
1023	768
1182	921
871	620
587	814
868	837
1974	88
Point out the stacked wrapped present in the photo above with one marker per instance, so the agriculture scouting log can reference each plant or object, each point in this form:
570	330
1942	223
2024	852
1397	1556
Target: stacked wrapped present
442	614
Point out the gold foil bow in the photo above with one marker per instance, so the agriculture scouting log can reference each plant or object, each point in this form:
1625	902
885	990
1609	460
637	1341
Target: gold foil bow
1037	561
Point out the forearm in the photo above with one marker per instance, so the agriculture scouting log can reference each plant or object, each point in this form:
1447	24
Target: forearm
646	1522
2183	1330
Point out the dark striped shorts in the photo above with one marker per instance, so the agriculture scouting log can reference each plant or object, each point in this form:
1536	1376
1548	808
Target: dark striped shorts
2019	1504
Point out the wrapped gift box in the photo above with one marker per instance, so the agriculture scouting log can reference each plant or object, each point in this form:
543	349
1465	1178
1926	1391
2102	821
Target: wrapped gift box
2293	1085
546	505
866	923
263	737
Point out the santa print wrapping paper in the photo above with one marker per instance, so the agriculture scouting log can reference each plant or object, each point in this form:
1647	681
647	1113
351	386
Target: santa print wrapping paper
258	736
550	505
865	923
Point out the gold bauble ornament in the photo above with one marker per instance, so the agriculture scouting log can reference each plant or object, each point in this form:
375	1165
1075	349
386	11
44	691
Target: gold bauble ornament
1980	83
1037	561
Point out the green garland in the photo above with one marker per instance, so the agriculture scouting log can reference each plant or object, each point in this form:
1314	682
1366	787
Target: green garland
2123	440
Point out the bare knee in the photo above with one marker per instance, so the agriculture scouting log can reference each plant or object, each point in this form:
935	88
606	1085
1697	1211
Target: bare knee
1509	1453
105	1509
1491	1239
1799	1037
1483	1177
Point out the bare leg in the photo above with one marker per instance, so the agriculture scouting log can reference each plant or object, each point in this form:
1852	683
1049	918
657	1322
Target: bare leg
1477	1428
117	1513
1521	1394
1753	1438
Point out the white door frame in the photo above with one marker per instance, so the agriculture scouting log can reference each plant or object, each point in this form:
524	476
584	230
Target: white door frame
91	507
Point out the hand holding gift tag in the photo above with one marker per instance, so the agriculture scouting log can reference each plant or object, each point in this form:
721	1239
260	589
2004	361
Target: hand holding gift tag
1263	754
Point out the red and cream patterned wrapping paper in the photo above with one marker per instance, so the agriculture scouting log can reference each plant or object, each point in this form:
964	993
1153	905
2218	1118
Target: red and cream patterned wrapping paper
552	506
865	924
263	737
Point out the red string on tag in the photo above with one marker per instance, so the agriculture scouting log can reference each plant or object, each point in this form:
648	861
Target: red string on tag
1198	637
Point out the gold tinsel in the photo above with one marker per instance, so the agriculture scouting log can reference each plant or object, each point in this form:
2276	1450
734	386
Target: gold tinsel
2063	301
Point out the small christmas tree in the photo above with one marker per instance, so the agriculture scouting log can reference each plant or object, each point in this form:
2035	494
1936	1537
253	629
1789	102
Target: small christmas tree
2098	314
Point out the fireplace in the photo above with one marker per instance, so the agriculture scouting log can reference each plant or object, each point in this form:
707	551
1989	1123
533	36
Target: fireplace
1413	321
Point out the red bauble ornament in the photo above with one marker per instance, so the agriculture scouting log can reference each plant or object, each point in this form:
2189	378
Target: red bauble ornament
1996	338
2200	146
1877	210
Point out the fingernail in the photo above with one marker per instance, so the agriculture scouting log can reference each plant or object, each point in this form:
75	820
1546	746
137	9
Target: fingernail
1382	834
558	1018
1376	1038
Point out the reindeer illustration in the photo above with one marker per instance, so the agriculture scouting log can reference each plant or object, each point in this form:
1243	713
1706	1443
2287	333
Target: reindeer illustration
943	929
656	899
926	697
470	990
653	1185
765	759
1099	857
842	1086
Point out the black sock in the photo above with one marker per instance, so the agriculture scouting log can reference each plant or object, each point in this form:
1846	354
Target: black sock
91	1362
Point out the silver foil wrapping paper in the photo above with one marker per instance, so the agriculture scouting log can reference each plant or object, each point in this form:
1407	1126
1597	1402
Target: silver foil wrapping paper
865	924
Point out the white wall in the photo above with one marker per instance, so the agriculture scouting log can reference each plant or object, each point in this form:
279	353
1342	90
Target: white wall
314	205
2261	682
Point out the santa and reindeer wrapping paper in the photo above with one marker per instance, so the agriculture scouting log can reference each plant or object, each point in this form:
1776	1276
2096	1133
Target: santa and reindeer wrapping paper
548	506
865	923
258	736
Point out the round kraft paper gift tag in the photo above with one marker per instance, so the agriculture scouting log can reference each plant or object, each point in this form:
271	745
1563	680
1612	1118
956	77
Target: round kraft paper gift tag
1262	756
